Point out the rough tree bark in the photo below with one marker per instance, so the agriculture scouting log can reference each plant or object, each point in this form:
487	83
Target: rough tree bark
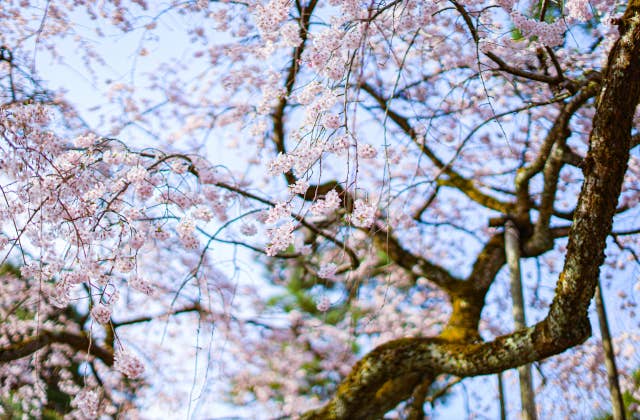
387	375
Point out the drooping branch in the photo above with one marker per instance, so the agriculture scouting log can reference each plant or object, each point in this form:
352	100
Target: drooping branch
355	262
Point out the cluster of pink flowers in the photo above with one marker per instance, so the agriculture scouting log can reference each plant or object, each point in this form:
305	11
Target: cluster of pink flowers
281	164
138	283
329	204
578	9
280	238
93	218
280	211
327	271
363	214
367	151
290	34
186	232
101	313
270	16
128	364
299	187
549	34
87	402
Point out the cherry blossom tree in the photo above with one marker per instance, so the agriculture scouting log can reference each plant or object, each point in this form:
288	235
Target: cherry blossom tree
367	154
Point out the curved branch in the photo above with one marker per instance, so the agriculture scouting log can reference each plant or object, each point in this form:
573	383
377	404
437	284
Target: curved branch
559	132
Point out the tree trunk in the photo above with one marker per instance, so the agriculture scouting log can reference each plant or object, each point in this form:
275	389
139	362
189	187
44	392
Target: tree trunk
503	399
512	251
617	405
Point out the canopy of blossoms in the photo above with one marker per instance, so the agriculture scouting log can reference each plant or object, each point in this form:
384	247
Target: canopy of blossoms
366	154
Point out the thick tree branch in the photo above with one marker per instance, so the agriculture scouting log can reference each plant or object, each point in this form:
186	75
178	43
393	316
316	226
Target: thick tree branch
566	324
467	301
